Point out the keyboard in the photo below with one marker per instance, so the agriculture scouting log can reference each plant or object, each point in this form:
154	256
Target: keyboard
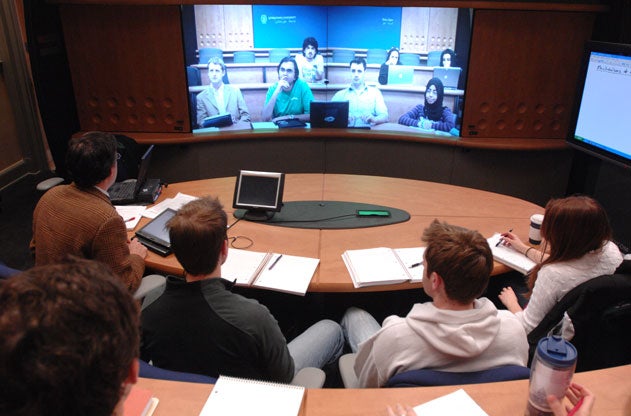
123	192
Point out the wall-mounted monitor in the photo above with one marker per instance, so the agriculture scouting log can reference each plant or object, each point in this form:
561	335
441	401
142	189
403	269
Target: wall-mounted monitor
259	193
601	115
251	40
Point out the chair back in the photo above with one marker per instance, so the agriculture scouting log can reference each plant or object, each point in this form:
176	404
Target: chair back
206	53
376	56
193	77
412	59
600	310
433	58
129	162
276	55
343	56
417	378
244	57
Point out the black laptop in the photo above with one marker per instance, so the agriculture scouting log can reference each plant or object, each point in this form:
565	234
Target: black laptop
329	114
136	190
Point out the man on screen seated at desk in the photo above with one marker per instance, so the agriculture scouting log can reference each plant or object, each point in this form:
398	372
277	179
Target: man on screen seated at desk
455	331
198	325
290	98
432	114
69	344
366	104
310	64
79	218
219	98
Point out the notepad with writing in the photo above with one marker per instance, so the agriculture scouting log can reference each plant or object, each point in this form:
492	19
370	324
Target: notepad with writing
510	256
140	402
383	266
273	271
238	396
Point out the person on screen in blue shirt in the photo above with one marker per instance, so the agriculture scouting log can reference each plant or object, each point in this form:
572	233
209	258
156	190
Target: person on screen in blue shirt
219	98
366	104
431	115
447	58
199	325
310	63
391	59
289	98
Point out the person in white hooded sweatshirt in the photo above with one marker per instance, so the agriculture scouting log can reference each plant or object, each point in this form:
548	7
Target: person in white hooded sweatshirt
455	331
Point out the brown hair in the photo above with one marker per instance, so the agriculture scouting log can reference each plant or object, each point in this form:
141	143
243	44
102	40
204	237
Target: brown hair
90	158
571	228
461	257
69	335
197	232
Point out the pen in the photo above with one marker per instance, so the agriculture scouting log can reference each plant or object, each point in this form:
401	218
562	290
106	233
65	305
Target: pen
130	219
501	240
575	408
415	265
274	263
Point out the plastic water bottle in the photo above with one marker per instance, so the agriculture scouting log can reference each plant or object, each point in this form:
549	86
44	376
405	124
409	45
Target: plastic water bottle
550	373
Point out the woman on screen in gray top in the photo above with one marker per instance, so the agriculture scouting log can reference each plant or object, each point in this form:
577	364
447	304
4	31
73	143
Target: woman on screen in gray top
431	115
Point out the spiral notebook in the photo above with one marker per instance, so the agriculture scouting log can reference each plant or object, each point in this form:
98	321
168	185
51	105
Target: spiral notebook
239	396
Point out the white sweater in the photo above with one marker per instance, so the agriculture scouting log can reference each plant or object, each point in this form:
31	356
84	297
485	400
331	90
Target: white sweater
428	337
556	279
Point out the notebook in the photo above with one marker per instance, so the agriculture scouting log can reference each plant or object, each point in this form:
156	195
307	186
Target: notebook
448	76
136	190
400	74
282	124
220	120
332	114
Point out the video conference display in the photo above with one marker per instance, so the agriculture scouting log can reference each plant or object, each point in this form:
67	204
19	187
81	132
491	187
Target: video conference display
400	68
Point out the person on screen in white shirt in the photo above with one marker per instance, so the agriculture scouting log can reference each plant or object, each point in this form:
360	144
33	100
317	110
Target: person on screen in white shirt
366	104
310	63
220	98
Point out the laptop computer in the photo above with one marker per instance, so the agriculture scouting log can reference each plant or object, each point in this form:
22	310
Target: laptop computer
154	234
329	114
136	190
400	74
448	76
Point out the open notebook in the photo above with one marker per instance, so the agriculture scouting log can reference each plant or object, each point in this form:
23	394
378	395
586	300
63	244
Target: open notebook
509	256
384	266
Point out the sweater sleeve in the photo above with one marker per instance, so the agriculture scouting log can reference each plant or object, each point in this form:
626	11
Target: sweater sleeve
411	117
544	296
446	121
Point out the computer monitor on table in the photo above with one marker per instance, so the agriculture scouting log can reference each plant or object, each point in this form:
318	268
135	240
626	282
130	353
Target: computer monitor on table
259	193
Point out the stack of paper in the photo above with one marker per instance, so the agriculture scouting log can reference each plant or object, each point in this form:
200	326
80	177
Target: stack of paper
174	203
131	214
237	396
281	272
383	265
510	256
456	403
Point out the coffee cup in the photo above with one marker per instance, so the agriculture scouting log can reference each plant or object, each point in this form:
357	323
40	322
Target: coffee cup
534	234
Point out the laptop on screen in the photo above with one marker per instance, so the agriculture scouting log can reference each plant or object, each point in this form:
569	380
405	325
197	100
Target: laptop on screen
329	114
400	74
448	76
136	190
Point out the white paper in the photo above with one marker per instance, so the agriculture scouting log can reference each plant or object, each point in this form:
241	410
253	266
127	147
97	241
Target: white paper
243	265
509	256
173	203
289	274
412	256
456	403
131	214
375	266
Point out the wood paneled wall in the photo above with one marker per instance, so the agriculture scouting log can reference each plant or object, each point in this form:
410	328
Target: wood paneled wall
428	29
227	27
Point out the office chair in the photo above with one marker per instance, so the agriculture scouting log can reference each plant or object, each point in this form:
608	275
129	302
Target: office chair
244	57
277	54
411	59
423	377
433	58
376	56
193	77
600	310
343	56
206	53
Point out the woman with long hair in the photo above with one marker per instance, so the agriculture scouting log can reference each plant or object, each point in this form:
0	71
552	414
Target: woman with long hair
392	58
431	115
576	247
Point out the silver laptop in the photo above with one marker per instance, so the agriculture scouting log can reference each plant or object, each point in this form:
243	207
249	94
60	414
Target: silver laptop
448	76
400	74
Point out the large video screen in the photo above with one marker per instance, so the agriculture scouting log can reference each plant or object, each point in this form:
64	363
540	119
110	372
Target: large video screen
260	66
602	112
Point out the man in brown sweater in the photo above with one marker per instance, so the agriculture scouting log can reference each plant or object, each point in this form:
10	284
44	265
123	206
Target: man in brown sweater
79	218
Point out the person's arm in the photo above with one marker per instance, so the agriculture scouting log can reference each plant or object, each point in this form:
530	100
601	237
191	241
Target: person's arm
581	399
202	113
446	121
270	101
319	68
244	114
275	356
545	294
411	117
381	110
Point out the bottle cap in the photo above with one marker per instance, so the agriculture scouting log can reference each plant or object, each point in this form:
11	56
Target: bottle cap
556	351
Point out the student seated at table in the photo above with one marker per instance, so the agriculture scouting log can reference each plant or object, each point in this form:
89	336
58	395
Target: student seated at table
366	104
310	63
290	98
199	326
69	344
220	98
391	59
455	331
432	114
448	58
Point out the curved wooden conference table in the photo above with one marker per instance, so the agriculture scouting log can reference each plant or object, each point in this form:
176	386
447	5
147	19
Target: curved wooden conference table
612	388
484	211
